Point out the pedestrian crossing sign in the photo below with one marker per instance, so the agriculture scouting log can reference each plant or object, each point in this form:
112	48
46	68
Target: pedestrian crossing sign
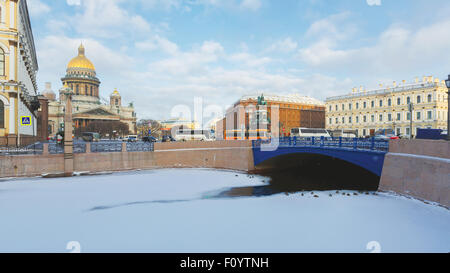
25	121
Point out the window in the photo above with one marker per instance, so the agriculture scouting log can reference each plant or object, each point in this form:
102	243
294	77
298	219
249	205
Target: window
343	120
357	119
330	121
429	98
419	99
389	117
364	132
337	121
350	120
381	117
357	105
399	101
399	116
343	107
408	131
365	118
372	104
78	90
389	102
408	100
381	103
330	108
116	102
336	107
91	93
372	118
2	114
429	115
365	104
418	116
408	116
2	61
350	106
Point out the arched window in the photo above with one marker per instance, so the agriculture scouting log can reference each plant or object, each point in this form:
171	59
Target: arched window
78	89
2	61
429	98
418	99
399	101
408	100
389	102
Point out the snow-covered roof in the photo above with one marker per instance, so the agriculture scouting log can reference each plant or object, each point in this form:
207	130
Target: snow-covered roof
292	98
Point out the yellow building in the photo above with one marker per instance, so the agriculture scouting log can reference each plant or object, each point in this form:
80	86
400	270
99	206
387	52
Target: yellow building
18	68
88	105
167	126
387	108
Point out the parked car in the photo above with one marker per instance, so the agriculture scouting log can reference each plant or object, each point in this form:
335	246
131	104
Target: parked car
167	139
386	137
149	139
131	138
90	137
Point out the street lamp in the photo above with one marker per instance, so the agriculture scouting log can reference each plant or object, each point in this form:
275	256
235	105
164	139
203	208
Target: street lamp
447	82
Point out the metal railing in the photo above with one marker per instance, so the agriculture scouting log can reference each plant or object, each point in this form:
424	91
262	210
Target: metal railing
367	144
140	147
33	149
79	147
106	147
55	148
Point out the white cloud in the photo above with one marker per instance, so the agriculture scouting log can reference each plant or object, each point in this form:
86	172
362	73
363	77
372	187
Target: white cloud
36	7
398	48
284	46
251	4
247	59
373	2
73	2
106	18
158	43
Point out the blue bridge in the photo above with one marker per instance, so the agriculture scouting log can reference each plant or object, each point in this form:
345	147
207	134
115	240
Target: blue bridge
366	153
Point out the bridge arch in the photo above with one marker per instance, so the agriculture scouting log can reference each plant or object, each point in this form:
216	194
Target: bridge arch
370	160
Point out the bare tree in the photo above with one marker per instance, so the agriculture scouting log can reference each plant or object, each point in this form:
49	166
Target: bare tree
150	127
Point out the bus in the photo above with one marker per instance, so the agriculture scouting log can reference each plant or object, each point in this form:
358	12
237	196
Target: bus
309	132
248	134
233	134
188	134
257	134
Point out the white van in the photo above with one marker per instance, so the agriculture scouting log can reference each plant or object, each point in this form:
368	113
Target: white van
309	132
189	135
131	138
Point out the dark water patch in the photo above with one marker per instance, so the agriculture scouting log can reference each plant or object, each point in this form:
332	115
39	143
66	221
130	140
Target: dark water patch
140	203
307	172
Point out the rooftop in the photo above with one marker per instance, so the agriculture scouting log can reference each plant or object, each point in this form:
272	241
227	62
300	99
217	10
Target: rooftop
292	98
428	82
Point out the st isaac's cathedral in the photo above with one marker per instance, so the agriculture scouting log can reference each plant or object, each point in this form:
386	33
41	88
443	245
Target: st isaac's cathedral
87	102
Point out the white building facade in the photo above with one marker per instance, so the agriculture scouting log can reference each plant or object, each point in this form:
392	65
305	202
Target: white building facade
387	108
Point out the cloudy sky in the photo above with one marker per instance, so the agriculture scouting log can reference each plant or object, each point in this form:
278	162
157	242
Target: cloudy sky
163	53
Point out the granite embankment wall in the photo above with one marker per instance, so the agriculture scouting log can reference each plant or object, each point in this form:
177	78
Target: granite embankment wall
418	168
232	155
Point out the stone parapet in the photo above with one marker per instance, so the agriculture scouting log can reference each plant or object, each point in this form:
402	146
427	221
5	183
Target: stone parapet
435	148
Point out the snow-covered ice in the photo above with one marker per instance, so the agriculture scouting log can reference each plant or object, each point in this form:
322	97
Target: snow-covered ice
175	211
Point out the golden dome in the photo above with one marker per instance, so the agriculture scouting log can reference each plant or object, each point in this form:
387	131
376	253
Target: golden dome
81	61
115	93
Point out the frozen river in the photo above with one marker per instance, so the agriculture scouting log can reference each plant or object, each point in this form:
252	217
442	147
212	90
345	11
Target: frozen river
191	211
